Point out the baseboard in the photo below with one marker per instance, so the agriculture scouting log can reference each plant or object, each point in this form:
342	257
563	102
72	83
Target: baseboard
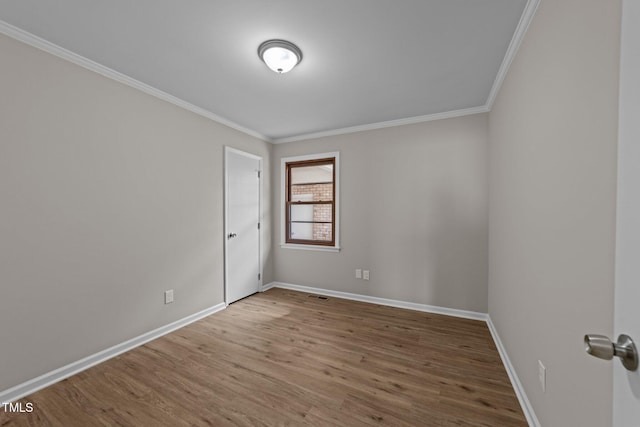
381	301
266	287
527	409
529	413
31	386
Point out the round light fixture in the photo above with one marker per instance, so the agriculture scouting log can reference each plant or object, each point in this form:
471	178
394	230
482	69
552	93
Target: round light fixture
280	55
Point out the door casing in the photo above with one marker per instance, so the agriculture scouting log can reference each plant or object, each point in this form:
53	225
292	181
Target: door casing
626	385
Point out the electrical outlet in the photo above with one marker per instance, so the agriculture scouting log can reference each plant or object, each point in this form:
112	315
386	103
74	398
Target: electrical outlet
168	296
365	274
542	376
358	273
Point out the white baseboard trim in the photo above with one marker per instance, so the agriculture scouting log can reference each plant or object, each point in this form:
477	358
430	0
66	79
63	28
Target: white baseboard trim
45	380
381	301
266	287
529	413
527	409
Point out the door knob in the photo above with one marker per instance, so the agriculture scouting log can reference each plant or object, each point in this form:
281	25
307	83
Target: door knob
602	347
232	235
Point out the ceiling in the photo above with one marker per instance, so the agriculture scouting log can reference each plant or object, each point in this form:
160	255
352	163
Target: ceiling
366	62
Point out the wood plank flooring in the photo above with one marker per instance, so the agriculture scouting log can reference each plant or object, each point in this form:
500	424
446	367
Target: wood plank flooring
285	358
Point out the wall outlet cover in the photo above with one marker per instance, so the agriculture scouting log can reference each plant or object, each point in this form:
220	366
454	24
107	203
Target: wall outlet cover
168	296
542	376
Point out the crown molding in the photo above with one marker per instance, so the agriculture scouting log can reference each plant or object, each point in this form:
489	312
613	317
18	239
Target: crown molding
518	36
523	25
42	44
382	125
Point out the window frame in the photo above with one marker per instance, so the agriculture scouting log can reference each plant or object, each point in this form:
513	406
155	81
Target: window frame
285	242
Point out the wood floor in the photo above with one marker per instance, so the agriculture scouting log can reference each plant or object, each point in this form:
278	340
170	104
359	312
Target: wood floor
284	358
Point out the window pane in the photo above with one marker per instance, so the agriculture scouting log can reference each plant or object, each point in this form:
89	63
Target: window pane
311	222
302	213
322	232
310	213
301	231
310	199
311	231
316	181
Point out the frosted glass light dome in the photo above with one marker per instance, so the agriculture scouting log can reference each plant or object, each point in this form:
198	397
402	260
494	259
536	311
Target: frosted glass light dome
280	56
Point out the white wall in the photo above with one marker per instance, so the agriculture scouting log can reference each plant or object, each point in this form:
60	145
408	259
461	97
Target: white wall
108	197
413	211
552	181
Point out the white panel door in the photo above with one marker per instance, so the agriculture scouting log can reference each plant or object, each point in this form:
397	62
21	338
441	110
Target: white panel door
242	219
626	390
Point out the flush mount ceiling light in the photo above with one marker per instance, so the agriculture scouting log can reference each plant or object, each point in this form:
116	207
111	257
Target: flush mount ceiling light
280	55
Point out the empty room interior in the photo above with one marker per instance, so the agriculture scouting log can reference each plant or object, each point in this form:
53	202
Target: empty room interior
336	213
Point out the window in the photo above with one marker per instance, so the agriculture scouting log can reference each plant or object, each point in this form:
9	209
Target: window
310	202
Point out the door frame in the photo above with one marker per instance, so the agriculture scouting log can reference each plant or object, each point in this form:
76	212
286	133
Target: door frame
227	150
626	385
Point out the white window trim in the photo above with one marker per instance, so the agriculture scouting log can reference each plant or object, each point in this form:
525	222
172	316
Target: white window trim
283	196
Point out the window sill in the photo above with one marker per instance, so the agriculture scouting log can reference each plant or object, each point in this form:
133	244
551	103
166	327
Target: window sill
310	247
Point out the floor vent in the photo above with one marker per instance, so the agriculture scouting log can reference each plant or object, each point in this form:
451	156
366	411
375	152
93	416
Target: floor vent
320	297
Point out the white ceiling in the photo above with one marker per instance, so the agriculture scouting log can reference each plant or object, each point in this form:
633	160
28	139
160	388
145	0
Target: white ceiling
365	61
